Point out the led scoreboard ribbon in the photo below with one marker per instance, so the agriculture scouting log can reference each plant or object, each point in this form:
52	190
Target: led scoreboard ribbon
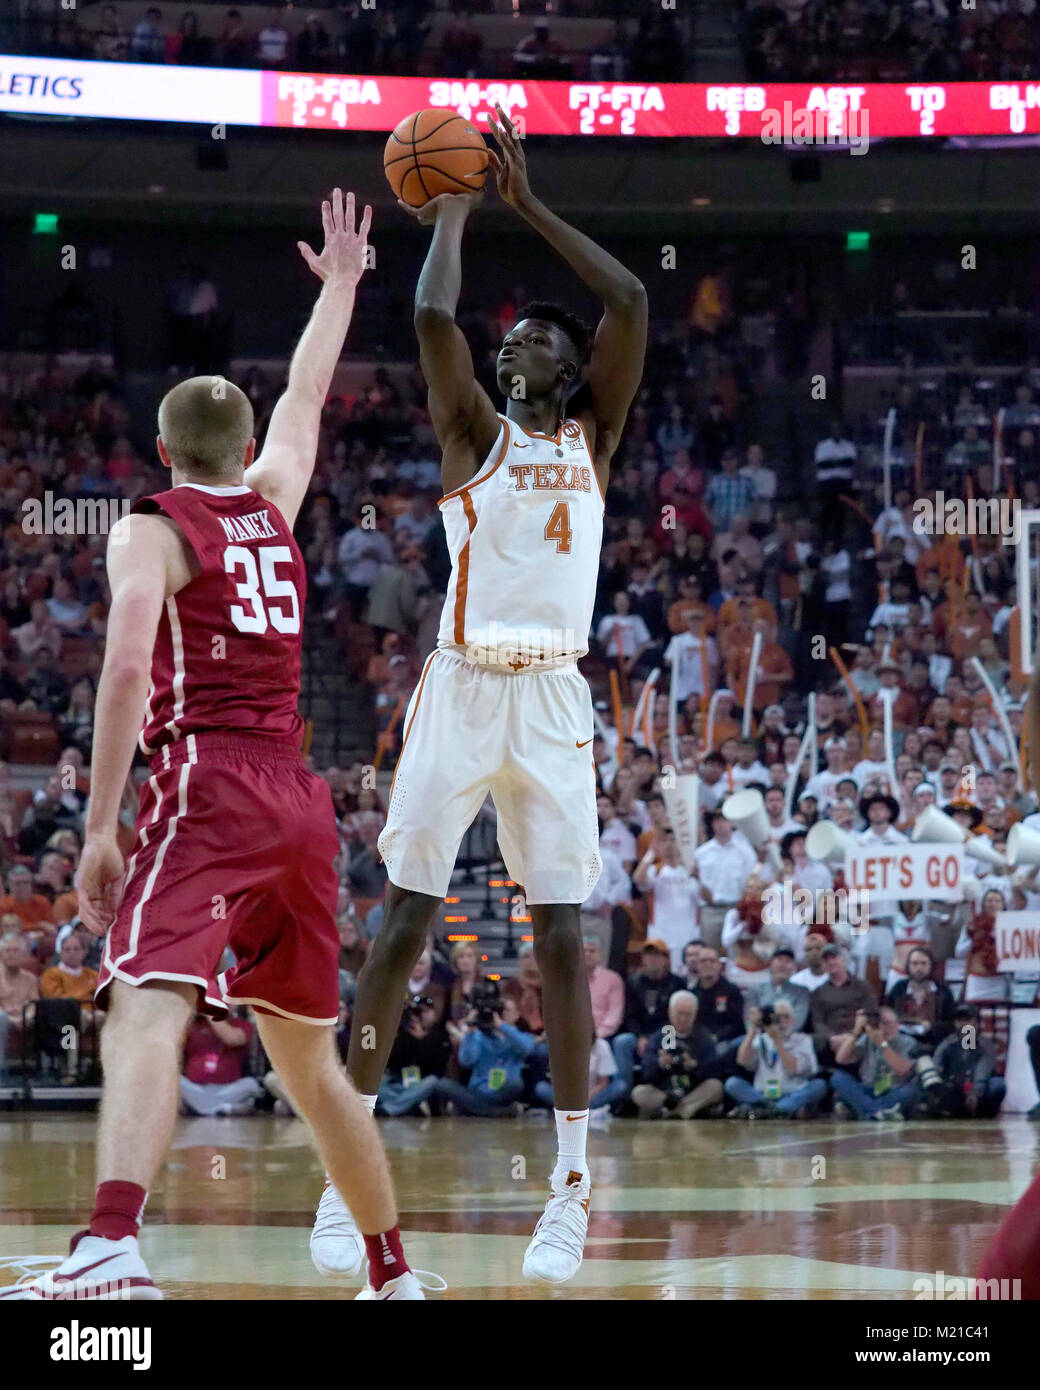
667	109
319	101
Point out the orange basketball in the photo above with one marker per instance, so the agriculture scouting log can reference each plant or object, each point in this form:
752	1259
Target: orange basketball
434	152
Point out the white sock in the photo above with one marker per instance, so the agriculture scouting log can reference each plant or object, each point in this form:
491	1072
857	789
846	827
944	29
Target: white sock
572	1128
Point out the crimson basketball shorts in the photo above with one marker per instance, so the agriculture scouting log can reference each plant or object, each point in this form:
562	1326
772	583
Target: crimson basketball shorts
236	843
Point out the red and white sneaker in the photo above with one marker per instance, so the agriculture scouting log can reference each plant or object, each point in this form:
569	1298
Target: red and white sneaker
405	1286
558	1244
96	1268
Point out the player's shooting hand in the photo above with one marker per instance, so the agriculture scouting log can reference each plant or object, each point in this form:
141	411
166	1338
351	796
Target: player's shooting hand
99	883
510	165
342	259
451	203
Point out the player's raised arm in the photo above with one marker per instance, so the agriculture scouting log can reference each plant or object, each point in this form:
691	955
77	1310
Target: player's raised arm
144	560
461	411
619	347
283	471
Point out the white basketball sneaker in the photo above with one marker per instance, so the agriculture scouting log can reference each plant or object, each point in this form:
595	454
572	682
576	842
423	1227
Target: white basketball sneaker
337	1248
558	1244
96	1268
405	1286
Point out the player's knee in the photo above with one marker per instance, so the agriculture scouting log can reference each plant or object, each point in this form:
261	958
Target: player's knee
146	1016
557	936
403	933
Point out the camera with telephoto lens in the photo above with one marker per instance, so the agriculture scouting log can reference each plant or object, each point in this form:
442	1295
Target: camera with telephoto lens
768	1018
927	1073
486	1001
873	1018
414	1007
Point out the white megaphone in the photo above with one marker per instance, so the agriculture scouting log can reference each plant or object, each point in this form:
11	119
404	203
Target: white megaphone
746	811
1023	846
934	825
826	840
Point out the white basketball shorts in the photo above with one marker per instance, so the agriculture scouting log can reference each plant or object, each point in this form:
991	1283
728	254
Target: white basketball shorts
526	739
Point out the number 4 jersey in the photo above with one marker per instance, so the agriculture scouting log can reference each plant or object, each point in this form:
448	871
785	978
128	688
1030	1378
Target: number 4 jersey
524	536
227	652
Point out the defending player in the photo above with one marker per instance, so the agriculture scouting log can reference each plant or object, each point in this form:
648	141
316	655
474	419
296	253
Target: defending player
235	838
500	705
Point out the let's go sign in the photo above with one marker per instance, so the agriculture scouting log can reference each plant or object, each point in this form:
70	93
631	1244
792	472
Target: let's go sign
907	871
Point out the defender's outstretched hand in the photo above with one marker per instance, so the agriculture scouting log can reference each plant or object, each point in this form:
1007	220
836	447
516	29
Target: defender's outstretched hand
427	215
511	165
343	256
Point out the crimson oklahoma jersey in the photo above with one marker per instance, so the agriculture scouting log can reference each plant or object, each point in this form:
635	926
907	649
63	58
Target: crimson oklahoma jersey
227	652
236	839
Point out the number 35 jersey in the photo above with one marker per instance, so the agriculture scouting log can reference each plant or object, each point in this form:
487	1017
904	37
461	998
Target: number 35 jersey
524	535
227	652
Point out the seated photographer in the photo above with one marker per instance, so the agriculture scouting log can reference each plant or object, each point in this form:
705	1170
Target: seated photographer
495	1049
417	1060
431	979
966	1062
785	1067
778	985
924	1008
680	1068
886	1085
606	1086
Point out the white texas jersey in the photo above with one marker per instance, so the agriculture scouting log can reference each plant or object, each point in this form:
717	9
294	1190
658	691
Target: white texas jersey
524	536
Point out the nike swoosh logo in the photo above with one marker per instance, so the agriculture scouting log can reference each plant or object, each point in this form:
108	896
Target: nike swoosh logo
582	745
520	446
71	1278
582	1116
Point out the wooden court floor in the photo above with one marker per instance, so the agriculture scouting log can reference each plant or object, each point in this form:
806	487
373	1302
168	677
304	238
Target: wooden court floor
712	1209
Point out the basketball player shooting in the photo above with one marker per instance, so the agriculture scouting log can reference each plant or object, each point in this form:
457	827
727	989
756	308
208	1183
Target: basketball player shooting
235	837
500	705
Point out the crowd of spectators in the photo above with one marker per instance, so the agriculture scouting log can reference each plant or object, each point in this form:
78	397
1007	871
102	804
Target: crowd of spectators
853	41
393	40
891	40
706	544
